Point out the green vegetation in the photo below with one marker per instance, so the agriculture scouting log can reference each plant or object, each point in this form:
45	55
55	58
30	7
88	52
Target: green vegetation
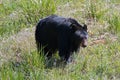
19	59
23	13
114	23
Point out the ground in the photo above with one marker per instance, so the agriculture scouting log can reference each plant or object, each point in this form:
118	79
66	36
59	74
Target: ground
99	61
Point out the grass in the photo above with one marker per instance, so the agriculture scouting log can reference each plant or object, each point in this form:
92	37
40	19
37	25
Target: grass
114	23
20	61
20	14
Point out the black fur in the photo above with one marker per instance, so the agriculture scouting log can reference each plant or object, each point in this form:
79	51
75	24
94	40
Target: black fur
62	34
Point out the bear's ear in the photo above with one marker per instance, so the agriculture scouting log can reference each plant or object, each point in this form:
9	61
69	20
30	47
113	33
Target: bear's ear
74	27
85	27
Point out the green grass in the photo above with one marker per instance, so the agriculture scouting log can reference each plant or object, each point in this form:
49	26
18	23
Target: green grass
19	59
101	62
19	14
114	23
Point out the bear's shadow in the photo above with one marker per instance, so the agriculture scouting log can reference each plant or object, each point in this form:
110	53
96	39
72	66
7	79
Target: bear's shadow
56	62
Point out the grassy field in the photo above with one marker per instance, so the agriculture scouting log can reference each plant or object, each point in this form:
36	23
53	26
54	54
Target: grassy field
18	55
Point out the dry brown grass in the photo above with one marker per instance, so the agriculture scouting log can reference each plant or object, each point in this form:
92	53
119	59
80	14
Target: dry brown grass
13	46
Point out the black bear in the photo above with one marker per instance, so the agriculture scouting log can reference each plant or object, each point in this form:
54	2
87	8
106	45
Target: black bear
63	34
